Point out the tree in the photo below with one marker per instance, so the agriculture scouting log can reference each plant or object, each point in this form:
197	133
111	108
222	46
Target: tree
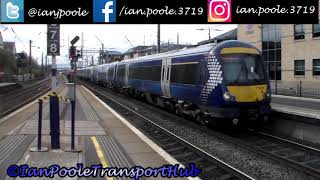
7	62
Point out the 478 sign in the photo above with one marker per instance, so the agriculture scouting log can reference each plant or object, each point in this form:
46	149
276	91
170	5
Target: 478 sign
53	40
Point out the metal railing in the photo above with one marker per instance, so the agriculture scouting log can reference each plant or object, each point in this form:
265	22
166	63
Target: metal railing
300	88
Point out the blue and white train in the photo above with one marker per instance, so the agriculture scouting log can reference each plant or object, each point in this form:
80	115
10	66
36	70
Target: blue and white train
226	81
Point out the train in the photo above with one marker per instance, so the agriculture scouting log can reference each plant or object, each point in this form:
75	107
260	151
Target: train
219	82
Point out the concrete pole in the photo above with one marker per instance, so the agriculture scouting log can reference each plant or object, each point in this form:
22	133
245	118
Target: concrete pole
178	39
53	73
102	58
46	63
92	61
30	57
158	39
42	62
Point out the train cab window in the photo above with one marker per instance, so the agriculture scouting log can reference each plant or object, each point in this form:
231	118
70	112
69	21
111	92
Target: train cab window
243	69
183	73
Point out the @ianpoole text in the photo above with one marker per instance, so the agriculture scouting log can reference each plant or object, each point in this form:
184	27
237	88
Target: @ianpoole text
57	14
79	170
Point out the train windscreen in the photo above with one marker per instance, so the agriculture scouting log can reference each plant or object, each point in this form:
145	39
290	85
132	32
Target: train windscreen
242	69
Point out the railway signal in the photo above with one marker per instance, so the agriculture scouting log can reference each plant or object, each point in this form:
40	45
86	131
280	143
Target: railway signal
72	52
74	40
19	61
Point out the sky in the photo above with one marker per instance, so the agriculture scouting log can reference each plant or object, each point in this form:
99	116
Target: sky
113	36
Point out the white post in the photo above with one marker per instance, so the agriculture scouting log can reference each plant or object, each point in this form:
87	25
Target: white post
53	74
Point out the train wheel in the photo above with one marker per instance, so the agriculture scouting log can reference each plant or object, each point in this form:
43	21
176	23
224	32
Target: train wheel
170	106
200	118
178	110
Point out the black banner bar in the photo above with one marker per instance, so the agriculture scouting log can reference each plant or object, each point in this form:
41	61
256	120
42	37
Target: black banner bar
163	11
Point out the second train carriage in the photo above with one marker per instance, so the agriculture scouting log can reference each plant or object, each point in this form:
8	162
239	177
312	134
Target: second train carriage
214	81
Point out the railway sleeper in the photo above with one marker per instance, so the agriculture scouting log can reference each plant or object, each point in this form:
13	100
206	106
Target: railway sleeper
310	161
171	144
185	156
194	160
176	150
159	136
165	139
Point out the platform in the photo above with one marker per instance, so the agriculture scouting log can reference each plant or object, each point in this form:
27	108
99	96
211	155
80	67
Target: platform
307	107
102	136
6	84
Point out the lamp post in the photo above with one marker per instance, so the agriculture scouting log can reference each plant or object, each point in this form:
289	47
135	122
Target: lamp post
209	31
102	50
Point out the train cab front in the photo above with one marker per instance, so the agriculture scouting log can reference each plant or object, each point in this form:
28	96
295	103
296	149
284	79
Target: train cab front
245	87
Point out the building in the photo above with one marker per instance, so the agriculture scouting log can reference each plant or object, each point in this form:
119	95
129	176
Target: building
10	47
291	51
114	56
140	51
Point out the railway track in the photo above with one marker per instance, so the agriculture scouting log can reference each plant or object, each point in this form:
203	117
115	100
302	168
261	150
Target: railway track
16	99
181	150
299	156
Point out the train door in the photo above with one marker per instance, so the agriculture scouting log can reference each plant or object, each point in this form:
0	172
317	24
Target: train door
105	79
114	71
91	74
165	77
126	75
116	79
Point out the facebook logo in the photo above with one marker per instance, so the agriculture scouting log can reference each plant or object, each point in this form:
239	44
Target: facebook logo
12	11
104	11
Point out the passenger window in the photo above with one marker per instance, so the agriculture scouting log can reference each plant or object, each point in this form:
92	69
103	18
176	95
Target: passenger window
183	73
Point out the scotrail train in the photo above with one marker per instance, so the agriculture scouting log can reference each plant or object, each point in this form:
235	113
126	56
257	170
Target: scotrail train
225	82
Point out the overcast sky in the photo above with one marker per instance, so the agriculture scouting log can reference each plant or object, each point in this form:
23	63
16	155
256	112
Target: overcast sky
113	36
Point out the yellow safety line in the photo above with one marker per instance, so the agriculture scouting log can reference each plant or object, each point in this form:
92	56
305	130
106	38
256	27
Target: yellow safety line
100	155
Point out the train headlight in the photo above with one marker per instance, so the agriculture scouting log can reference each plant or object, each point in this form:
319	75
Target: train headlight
268	95
227	96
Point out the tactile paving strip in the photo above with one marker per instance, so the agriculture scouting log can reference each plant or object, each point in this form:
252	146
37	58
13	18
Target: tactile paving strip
114	153
12	149
89	112
8	145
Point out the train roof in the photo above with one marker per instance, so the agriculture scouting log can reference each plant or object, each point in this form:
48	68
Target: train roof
195	50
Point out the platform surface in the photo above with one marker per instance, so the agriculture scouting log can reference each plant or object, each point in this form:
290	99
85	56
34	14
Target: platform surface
308	107
6	84
101	137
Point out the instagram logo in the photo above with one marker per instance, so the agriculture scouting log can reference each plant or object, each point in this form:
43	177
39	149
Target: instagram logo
219	10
